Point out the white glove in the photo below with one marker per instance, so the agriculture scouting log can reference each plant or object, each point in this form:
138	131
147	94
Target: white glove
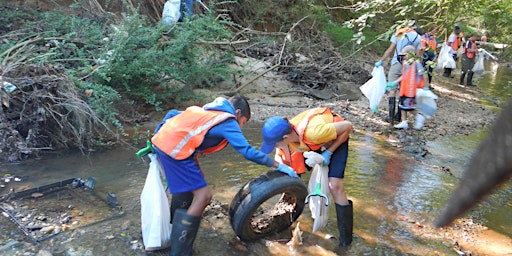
313	158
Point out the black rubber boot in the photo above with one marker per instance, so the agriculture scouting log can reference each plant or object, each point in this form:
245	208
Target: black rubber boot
398	115
183	234
462	76
345	217
470	79
447	72
181	201
391	110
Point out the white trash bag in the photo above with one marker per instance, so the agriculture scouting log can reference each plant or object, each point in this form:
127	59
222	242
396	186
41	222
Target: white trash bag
479	64
445	59
375	88
426	102
318	198
155	213
171	12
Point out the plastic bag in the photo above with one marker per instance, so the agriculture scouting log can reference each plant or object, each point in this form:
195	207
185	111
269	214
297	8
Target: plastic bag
313	158
479	64
425	102
171	12
445	59
155	213
318	197
375	88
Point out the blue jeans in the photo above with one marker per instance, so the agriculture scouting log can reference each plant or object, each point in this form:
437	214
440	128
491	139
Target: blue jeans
187	8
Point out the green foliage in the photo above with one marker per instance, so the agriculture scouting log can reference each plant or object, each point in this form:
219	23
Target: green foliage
103	100
156	62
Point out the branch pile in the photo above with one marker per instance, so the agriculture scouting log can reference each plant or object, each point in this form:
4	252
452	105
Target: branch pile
304	54
41	110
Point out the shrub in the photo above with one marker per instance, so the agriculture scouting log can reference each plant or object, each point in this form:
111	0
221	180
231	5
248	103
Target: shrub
155	63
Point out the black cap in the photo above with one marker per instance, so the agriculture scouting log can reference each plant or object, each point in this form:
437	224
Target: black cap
456	28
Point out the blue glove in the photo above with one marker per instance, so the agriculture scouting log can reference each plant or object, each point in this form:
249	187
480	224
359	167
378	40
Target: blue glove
327	157
287	169
378	63
390	85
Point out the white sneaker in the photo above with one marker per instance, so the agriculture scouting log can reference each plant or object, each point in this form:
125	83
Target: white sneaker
419	120
403	125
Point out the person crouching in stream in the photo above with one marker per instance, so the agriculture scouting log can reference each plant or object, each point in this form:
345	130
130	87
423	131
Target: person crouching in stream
180	139
413	77
317	130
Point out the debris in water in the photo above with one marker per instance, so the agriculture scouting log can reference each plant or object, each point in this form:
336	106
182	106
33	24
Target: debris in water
297	236
37	195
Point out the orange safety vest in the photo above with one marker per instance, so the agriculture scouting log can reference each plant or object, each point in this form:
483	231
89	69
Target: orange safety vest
296	159
180	135
469	55
403	31
409	83
428	42
458	40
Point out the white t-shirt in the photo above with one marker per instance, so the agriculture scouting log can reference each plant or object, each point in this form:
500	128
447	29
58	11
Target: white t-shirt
451	39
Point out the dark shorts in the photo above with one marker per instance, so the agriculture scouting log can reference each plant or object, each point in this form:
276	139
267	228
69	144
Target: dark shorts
339	161
407	103
181	175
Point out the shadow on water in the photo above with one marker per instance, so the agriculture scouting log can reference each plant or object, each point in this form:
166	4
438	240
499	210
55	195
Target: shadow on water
393	195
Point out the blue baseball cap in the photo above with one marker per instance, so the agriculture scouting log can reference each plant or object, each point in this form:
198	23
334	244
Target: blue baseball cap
273	131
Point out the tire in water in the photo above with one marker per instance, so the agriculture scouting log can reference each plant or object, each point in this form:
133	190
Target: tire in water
267	205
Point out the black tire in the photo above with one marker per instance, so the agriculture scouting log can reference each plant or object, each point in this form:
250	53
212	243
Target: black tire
247	211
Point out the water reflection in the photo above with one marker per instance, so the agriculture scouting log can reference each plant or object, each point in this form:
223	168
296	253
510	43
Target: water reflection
496	83
389	189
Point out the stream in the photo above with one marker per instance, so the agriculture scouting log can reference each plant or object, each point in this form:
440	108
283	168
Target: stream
393	194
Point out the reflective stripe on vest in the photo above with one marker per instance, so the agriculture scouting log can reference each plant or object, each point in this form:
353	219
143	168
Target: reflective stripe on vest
301	127
180	136
409	83
296	159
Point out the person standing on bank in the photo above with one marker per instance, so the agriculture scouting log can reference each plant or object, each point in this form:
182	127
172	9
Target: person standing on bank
178	142
454	41
429	47
403	37
469	50
413	78
322	131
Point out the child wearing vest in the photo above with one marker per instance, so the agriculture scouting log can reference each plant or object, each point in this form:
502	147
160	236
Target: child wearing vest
469	51
413	77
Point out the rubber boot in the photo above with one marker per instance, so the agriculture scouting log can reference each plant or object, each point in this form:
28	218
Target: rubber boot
181	201
447	72
345	217
398	115
419	120
391	110
462	76
183	234
470	79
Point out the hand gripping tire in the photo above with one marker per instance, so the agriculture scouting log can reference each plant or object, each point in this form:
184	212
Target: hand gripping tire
267	205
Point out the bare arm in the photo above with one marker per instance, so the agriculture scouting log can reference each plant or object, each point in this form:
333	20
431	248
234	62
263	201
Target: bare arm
388	52
343	130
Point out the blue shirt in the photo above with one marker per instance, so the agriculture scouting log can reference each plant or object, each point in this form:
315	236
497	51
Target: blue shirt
227	129
410	38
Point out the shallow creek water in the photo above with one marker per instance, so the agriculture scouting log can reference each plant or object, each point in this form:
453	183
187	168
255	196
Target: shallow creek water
389	190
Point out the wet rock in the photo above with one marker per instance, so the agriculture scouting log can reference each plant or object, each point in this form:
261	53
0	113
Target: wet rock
44	253
37	195
47	230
